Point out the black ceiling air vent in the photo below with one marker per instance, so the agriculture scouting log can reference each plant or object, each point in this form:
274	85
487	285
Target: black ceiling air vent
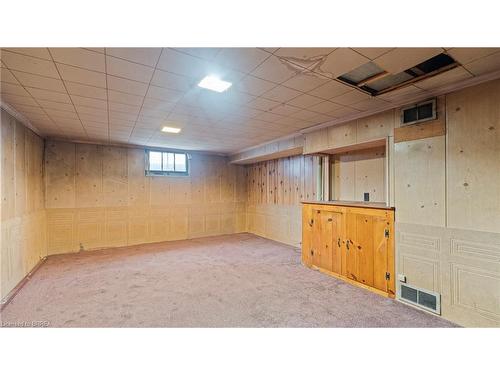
420	112
375	81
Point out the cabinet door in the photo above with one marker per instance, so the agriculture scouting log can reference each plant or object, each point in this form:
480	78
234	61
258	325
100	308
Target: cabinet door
360	248
326	239
367	249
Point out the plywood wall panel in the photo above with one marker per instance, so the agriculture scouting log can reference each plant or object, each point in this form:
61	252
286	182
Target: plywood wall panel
115	176
89	176
342	135
23	218
420	181
375	127
473	158
60	169
133	208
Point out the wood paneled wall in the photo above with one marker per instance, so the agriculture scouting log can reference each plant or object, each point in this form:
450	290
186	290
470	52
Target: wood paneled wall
98	196
23	226
275	189
447	196
359	172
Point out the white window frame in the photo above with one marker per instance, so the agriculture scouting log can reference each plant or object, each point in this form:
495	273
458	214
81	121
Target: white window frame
150	172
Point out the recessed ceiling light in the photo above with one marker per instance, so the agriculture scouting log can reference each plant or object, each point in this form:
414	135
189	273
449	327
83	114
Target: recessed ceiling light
214	83
168	129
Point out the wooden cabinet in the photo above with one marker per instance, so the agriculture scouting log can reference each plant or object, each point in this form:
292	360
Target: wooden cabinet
352	243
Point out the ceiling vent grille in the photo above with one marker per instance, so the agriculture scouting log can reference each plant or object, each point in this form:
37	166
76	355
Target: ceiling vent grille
419	112
427	300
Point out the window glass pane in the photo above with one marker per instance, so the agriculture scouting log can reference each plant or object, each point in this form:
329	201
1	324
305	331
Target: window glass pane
180	162
154	161
168	161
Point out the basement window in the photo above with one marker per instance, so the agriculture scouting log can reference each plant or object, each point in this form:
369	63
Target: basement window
166	163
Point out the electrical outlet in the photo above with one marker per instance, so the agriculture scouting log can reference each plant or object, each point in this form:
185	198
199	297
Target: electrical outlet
402	278
366	197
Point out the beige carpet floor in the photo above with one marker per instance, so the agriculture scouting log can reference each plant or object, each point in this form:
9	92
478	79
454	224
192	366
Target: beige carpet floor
225	281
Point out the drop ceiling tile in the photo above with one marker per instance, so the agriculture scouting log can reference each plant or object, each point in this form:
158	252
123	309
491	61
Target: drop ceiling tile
49	95
330	89
204	53
325	107
89	102
161	93
321	118
172	81
129	70
40	82
83	76
115	120
343	112
400	59
454	75
304	115
95	49
339	62
79	57
29	64
146	112
263	104
181	63
126	85
305	57
160	105
28	109
275	70
7	77
144	56
86	91
41	53
369	104
237	98
284	109
103	112
93	117
125	108
59	116
254	86
281	94
467	55
350	97
47	104
95	124
372	52
484	65
306	81
121	97
269	117
401	93
304	101
241	59
13	89
17	99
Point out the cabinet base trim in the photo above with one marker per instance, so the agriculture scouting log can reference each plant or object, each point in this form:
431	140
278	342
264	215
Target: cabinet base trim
352	282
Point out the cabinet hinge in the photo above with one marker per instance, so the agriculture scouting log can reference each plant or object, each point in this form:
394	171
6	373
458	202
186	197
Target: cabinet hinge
386	233
387	276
